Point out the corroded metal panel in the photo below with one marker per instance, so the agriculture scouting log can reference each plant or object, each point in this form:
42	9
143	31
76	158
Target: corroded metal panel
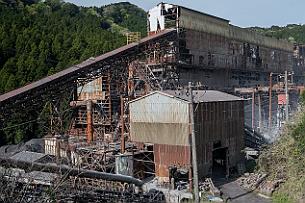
196	21
161	119
160	133
92	90
170	155
219	121
160	108
193	20
213	51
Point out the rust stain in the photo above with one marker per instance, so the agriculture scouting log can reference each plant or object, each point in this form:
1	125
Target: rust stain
170	155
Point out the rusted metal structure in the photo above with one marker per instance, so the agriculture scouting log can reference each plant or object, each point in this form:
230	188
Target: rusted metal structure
163	119
218	54
65	82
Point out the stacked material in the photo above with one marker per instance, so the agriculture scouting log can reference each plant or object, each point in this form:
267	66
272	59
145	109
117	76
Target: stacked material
253	181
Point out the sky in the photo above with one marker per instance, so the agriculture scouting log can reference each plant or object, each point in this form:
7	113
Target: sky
243	13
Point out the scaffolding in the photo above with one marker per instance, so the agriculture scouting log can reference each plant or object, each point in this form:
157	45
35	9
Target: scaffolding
133	37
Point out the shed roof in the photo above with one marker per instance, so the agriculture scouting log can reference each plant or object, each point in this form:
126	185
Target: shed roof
199	96
28	156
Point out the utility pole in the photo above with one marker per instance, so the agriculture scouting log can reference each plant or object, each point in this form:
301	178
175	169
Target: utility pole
253	109
259	112
287	96
270	103
194	152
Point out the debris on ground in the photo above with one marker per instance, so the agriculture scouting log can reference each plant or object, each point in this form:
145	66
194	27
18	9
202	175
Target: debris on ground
208	186
212	198
257	181
251	180
268	187
209	191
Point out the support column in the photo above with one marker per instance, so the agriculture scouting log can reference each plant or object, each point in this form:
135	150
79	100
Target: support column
287	96
253	109
122	126
270	103
89	122
259	112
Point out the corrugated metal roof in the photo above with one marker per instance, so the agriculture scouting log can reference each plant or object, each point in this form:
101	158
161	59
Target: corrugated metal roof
28	156
198	95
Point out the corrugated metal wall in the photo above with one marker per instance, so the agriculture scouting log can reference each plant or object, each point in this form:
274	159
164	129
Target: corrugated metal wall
218	121
210	50
196	21
170	155
159	119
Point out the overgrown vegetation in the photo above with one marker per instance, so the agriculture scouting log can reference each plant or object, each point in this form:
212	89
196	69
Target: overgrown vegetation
285	160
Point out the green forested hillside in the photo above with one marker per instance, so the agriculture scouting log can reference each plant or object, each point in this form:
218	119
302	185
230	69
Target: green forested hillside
293	32
38	38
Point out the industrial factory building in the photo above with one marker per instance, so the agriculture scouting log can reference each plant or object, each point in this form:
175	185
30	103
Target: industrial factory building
131	112
218	54
163	119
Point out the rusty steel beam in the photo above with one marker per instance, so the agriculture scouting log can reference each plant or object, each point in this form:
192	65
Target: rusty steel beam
89	122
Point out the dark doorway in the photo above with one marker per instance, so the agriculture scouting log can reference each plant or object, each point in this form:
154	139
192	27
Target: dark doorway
219	169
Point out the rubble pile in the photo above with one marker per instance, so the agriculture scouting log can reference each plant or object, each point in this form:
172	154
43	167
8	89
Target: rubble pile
268	187
251	180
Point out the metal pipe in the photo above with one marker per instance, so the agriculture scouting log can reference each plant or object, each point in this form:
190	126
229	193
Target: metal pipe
259	112
253	109
89	122
66	170
287	96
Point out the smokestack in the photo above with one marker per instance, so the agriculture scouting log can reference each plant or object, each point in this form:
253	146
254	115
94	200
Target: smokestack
89	122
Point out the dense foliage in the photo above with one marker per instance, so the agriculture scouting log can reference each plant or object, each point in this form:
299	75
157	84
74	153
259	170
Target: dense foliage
41	38
293	32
